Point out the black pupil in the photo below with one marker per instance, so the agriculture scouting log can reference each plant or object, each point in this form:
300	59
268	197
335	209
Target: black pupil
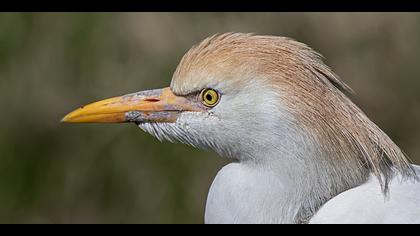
209	97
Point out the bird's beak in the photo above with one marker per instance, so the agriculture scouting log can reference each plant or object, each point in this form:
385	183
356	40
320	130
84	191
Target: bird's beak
158	105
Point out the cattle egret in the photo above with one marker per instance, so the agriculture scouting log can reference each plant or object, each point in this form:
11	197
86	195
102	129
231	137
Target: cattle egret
301	151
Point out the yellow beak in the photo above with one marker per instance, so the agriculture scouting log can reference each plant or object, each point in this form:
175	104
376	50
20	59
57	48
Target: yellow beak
158	105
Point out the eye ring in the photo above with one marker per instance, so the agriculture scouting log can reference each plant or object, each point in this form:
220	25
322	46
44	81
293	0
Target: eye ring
209	97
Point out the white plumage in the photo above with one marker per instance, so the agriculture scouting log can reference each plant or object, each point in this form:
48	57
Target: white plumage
301	150
242	194
367	204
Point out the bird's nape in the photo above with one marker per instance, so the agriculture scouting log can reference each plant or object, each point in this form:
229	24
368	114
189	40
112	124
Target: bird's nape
270	104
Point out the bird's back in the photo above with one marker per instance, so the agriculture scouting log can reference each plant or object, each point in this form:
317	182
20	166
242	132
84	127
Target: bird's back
367	203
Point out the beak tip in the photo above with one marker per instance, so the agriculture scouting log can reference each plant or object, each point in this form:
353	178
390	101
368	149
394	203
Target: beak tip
65	119
70	117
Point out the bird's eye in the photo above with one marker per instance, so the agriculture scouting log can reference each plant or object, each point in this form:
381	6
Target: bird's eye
210	97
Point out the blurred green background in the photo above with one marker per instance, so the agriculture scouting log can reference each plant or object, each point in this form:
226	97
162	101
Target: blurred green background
51	63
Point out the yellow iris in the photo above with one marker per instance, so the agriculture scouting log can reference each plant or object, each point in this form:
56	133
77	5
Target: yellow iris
210	97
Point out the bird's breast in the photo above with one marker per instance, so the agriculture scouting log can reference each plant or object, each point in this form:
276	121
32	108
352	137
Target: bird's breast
244	194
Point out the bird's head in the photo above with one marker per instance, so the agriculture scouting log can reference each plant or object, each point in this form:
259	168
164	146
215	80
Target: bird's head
245	96
219	98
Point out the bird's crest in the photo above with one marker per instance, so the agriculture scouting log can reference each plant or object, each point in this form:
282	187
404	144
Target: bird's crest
314	94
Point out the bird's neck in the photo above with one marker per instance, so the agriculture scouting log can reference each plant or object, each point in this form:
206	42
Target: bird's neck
307	177
249	192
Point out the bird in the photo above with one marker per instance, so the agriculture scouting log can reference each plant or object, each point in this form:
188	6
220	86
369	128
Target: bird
300	150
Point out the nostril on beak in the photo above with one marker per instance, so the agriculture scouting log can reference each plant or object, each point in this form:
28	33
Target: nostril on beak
152	100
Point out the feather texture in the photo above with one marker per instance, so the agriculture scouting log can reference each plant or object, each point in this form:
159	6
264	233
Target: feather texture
285	119
310	90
